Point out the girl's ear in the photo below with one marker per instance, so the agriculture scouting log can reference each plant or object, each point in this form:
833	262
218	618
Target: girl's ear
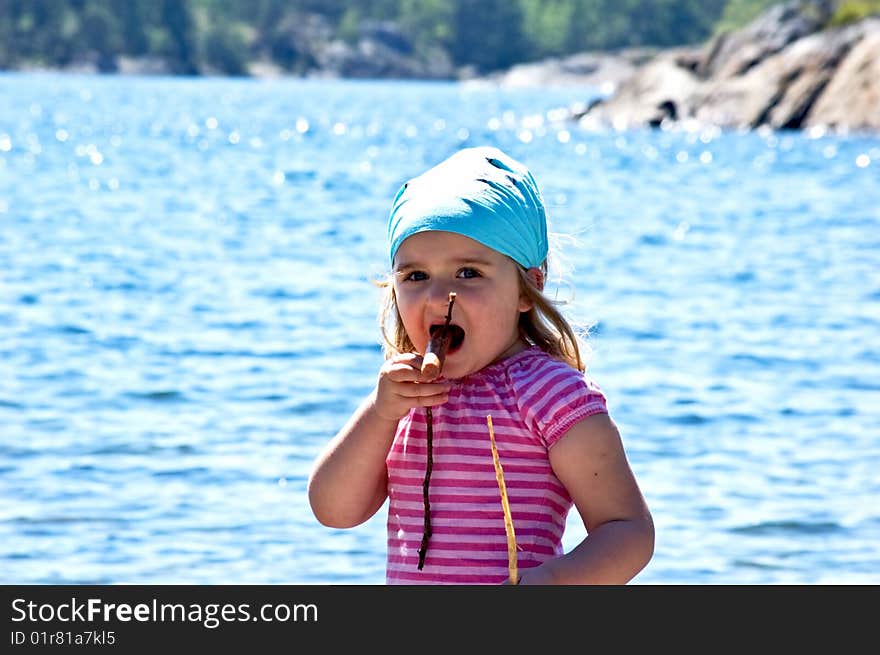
536	278
536	275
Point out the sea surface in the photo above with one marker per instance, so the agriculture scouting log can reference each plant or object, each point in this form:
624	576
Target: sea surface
188	314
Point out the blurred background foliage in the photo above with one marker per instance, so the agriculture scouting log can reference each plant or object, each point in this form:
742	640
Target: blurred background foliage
226	36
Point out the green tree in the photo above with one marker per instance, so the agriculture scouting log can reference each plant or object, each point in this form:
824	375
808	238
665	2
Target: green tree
487	34
178	46
41	31
428	22
738	13
131	19
853	10
547	25
224	48
225	35
100	32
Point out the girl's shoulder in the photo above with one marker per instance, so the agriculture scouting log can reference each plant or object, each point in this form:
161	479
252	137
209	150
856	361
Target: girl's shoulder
535	363
535	371
552	395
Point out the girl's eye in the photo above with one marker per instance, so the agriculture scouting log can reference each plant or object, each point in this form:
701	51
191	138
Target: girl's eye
468	273
415	276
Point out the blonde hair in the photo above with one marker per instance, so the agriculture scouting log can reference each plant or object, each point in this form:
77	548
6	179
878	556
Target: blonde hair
543	325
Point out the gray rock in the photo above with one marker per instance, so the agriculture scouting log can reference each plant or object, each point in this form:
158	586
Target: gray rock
851	101
380	50
143	66
661	90
781	71
733	53
781	89
372	58
601	70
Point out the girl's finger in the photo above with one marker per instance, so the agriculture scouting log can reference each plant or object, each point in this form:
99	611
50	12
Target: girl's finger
406	357
404	372
423	390
433	401
409	360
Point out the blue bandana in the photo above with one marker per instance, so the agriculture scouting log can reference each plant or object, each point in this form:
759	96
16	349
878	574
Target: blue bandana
480	193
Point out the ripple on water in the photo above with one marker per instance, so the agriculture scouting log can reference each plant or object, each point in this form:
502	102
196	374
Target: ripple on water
789	528
755	564
158	396
689	419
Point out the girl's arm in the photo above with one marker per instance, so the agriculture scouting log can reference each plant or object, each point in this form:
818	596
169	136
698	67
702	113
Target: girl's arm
590	461
348	483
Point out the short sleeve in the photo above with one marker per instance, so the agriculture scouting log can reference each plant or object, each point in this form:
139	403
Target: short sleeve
555	396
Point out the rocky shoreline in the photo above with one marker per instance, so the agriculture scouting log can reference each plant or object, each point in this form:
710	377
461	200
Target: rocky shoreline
603	71
783	71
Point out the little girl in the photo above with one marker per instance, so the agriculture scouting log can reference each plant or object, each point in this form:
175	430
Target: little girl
475	225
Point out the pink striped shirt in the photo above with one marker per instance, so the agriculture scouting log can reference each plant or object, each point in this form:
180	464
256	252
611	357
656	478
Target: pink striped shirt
533	399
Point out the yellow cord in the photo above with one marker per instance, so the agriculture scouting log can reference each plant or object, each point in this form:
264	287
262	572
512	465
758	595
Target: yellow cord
508	519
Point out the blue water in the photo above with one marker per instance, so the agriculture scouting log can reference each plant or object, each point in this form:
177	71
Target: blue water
187	315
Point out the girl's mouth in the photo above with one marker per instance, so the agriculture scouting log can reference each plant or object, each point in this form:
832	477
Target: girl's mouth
456	334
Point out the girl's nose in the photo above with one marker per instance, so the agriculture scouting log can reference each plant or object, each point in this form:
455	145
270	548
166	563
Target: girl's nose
438	294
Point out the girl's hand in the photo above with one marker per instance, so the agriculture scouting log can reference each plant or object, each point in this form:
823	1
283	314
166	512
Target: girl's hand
402	386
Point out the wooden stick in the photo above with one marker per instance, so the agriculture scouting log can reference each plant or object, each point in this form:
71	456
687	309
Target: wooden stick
438	344
426	486
505	505
435	355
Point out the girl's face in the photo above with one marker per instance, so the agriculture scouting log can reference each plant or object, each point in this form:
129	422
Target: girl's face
488	302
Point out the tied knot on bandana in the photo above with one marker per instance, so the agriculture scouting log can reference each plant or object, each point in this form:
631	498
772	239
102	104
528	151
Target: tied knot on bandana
481	193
